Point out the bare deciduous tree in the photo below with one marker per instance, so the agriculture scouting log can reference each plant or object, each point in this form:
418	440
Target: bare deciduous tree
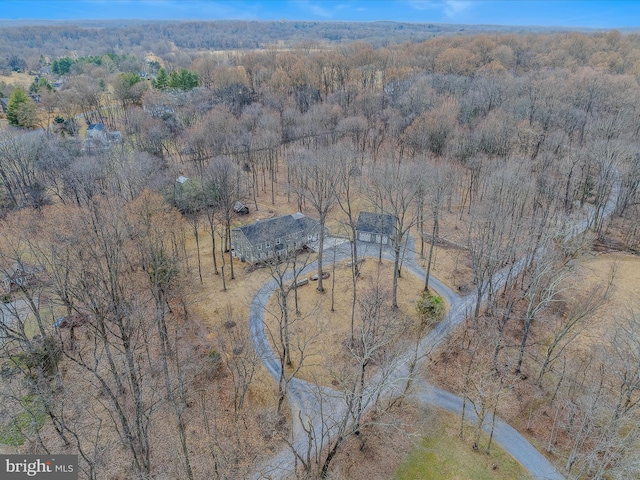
394	187
317	180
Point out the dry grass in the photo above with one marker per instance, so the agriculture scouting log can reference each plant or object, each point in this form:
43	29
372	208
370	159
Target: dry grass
443	455
331	330
450	265
416	442
211	305
382	448
596	270
23	80
450	362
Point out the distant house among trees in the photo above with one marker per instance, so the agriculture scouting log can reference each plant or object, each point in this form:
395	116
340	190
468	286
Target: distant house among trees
376	227
96	131
265	239
19	276
99	138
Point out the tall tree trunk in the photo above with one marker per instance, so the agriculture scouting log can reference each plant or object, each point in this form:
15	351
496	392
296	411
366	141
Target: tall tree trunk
320	252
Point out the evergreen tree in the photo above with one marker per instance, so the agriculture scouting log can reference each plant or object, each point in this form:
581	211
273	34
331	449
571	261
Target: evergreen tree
41	84
183	79
162	80
28	114
21	110
62	66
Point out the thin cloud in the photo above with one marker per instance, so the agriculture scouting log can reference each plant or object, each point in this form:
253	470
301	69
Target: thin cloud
424	4
314	8
454	7
450	8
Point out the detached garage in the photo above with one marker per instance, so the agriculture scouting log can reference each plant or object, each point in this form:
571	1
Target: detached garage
376	228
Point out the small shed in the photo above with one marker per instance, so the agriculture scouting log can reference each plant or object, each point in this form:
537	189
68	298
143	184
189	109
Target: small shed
115	137
240	208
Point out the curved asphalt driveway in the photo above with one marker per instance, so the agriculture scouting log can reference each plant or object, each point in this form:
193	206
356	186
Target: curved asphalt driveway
307	400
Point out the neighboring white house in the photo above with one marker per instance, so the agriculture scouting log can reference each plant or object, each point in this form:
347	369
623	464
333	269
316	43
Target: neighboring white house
376	228
265	239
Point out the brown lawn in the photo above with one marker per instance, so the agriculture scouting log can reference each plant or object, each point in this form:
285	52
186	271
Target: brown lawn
329	330
23	80
595	270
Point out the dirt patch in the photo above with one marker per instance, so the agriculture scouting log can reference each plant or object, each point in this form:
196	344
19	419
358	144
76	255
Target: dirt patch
380	450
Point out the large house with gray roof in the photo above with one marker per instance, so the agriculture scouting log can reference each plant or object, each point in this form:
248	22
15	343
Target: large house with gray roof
264	239
376	228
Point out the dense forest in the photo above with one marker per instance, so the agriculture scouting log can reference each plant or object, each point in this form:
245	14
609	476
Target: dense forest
124	336
126	37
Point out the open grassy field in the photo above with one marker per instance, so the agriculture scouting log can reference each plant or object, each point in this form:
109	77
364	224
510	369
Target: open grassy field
23	80
623	270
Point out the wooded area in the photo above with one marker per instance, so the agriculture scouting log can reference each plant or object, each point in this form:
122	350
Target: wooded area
124	334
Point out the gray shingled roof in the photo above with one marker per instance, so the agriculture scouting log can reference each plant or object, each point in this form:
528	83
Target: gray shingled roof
370	222
277	227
